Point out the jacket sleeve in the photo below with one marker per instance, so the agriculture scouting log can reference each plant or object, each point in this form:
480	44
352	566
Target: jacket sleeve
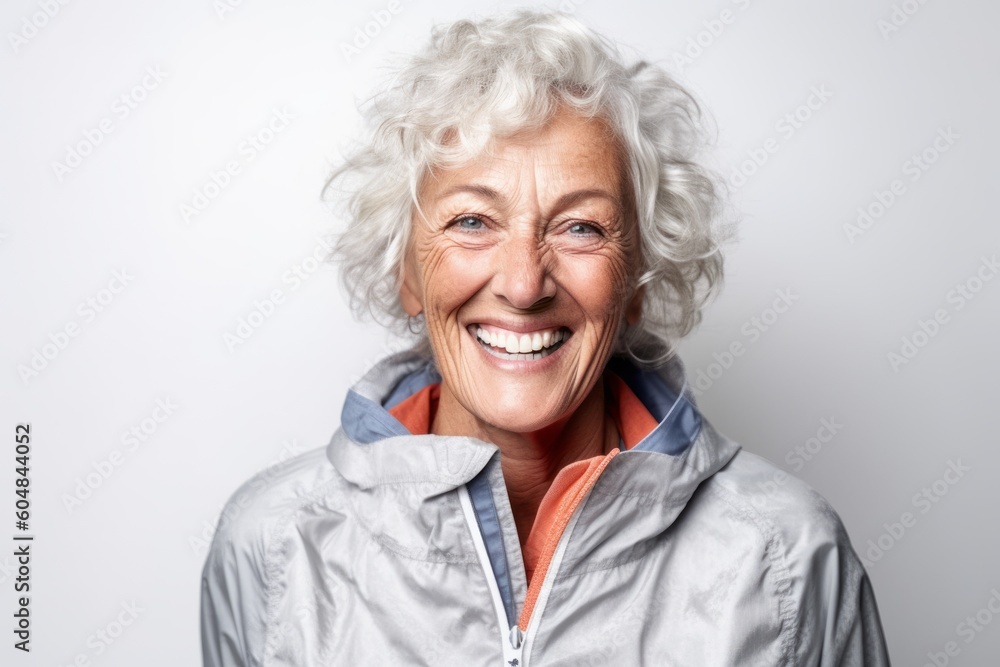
839	623
234	593
859	639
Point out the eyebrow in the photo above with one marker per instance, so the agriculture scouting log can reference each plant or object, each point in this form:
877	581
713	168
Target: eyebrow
496	197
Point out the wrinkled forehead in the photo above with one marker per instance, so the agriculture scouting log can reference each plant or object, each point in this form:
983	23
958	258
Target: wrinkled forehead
570	152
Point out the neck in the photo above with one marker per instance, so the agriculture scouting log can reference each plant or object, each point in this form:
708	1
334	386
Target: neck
530	461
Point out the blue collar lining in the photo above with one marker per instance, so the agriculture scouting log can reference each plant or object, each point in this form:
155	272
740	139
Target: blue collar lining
366	420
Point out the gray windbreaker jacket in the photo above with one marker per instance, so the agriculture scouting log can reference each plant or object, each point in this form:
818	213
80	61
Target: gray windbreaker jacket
387	548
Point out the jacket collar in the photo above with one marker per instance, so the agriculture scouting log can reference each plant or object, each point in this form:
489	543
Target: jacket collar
374	448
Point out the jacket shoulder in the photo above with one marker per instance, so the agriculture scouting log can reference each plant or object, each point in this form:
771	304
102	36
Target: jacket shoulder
783	502
258	505
826	595
241	570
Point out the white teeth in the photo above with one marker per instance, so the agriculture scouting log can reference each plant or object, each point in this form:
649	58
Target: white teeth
521	346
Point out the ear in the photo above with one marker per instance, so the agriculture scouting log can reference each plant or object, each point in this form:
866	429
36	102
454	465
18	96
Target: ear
633	312
410	294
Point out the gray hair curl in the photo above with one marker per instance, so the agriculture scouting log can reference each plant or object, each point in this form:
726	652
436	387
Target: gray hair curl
481	80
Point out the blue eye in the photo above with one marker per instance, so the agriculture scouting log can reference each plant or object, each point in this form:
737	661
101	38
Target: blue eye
582	229
470	223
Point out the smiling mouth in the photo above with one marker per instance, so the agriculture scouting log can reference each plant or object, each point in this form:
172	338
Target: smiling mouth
512	346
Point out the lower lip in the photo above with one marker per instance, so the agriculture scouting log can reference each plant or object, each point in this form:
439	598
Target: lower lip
520	365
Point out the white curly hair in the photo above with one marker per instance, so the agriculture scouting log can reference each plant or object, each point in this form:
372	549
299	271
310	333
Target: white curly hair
478	81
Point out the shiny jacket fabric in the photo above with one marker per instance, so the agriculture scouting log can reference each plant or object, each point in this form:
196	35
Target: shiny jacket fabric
387	548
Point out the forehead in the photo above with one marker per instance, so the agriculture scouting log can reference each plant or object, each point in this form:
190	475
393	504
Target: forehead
570	152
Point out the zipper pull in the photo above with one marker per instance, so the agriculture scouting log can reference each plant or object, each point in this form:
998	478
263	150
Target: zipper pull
516	639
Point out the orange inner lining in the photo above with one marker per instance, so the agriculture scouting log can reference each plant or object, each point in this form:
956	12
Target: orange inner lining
568	489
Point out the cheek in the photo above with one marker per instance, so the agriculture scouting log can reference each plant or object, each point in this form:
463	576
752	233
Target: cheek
450	276
599	284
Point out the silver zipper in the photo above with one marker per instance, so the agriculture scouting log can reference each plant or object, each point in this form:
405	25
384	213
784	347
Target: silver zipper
547	583
516	643
513	643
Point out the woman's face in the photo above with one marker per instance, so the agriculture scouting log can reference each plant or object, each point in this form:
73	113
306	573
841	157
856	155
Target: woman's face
524	268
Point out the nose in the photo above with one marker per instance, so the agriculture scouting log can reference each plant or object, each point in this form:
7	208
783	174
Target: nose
522	276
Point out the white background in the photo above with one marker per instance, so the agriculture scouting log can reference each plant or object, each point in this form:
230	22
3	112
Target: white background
140	535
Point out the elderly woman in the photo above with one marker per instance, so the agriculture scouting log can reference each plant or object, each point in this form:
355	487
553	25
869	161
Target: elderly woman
532	484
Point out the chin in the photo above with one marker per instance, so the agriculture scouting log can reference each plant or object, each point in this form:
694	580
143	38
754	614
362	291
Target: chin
518	419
